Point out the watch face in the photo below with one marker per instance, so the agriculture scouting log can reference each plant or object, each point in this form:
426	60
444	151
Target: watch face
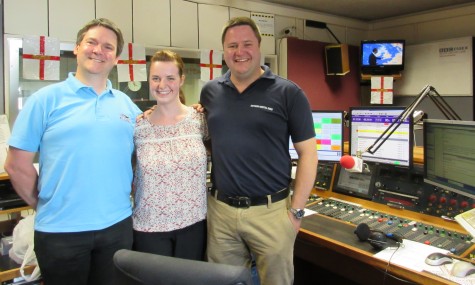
299	214
134	85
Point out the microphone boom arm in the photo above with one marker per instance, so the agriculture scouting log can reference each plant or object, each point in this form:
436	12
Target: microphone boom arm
429	91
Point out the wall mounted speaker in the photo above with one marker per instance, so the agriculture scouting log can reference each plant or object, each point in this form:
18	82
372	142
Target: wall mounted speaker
336	57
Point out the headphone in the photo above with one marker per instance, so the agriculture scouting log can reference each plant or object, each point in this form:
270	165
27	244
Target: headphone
377	239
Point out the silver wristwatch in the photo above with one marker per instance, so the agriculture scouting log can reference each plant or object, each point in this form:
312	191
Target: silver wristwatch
298	213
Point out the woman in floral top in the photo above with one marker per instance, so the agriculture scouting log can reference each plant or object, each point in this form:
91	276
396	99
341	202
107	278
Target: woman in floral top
170	175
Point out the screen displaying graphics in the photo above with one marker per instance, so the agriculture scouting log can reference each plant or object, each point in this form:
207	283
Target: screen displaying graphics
382	56
366	126
449	155
328	136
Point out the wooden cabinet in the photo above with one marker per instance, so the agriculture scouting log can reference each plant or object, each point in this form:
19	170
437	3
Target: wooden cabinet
26	17
184	27
152	22
66	17
211	18
118	11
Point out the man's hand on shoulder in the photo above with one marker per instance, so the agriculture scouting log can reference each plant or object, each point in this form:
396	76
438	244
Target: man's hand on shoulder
199	108
145	114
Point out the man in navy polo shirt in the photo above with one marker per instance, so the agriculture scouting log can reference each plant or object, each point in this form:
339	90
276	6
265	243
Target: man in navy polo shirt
251	114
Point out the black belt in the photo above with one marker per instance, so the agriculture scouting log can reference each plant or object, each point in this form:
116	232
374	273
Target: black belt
246	202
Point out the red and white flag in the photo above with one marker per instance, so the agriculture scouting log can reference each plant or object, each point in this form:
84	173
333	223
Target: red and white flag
132	65
381	90
41	58
211	64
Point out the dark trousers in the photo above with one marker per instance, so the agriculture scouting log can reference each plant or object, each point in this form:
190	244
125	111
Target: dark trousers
82	258
188	243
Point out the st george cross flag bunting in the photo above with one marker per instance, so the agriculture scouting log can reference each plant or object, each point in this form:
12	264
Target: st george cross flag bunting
381	90
40	58
132	65
211	64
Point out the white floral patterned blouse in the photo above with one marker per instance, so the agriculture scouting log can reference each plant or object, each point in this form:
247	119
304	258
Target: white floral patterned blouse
170	174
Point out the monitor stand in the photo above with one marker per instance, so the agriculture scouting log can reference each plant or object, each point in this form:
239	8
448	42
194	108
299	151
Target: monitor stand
368	76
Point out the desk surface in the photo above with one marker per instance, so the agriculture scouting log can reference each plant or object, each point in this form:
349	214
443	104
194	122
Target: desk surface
4	176
9	269
339	237
321	235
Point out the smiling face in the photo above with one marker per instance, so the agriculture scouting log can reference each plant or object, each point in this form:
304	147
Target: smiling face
165	82
241	53
96	53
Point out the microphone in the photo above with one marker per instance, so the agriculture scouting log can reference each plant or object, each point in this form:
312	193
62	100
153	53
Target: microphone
352	163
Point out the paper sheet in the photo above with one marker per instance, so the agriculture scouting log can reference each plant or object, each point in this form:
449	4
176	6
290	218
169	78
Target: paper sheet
413	254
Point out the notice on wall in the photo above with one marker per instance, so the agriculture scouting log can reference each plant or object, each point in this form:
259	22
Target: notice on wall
445	65
265	22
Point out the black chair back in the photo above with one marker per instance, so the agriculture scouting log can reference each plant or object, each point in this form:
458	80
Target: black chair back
136	268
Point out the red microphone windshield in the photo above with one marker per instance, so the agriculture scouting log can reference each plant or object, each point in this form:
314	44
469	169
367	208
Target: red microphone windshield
347	161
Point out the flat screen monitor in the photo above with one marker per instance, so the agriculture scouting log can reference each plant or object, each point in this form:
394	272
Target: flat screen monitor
366	126
355	184
382	57
328	136
449	155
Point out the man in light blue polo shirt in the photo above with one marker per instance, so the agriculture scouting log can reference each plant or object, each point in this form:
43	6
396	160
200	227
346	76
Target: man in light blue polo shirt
83	130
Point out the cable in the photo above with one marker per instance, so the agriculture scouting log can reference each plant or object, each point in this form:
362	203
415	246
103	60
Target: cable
328	29
386	270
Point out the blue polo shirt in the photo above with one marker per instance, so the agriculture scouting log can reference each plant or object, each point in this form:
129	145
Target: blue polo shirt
85	145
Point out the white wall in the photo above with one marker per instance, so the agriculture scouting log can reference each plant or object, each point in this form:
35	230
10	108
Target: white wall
421	28
428	27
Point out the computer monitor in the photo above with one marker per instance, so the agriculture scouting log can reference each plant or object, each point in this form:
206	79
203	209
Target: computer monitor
328	136
355	184
366	126
382	57
449	155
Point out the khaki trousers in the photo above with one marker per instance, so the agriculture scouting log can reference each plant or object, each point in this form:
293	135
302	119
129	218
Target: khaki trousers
265	232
